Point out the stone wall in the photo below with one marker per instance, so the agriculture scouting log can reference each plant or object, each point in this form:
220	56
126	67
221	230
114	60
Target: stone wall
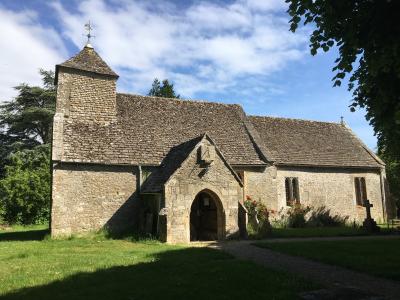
260	185
82	97
333	188
86	97
182	188
91	197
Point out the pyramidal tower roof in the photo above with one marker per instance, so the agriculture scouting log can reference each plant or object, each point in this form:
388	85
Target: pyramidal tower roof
88	60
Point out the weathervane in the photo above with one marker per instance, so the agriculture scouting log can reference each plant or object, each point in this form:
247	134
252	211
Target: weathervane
89	28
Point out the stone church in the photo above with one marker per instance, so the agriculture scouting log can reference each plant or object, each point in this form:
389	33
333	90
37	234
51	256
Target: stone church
182	169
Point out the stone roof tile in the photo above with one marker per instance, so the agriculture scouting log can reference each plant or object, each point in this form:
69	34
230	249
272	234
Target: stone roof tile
88	60
148	127
171	162
313	143
174	160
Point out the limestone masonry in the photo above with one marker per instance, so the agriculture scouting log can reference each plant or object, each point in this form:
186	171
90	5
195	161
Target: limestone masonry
182	169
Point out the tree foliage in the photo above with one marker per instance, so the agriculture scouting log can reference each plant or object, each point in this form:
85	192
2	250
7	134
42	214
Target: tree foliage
25	189
8	145
25	124
29	116
165	89
366	33
393	174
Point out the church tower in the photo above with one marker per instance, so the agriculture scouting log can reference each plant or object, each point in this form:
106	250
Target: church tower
86	87
86	93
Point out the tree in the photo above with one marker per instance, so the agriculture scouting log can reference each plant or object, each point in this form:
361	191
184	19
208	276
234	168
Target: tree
26	121
8	145
25	124
25	189
366	33
165	90
393	174
29	116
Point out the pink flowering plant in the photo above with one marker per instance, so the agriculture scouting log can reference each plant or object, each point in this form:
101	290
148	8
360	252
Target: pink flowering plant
259	225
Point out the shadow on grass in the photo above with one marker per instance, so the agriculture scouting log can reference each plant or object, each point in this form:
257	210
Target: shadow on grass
29	235
338	231
190	273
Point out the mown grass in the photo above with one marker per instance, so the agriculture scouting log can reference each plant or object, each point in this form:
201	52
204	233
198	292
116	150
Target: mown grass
24	233
308	232
379	257
100	268
316	232
19	228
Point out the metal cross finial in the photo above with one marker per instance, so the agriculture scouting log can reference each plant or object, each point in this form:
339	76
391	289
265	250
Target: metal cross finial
89	29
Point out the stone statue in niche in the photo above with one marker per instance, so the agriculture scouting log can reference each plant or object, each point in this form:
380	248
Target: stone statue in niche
206	154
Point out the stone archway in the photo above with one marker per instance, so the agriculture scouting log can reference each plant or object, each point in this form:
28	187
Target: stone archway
207	218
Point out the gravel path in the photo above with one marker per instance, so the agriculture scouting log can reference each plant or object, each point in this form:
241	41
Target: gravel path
333	277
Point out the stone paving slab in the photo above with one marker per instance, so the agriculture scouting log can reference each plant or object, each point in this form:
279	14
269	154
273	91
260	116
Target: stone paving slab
332	277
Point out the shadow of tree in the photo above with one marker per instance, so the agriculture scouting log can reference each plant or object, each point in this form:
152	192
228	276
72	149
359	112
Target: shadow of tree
190	273
31	235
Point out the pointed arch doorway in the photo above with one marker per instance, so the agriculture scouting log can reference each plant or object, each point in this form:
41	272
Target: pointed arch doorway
207	218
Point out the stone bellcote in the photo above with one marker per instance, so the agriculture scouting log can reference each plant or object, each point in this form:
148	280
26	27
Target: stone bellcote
86	88
86	93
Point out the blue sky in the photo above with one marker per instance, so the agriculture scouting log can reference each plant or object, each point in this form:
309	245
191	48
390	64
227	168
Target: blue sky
238	51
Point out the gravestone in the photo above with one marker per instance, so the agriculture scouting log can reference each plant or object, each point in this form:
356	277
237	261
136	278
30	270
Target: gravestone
369	224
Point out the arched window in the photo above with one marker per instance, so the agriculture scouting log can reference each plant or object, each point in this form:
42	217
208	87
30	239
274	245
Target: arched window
296	193
288	187
292	190
361	190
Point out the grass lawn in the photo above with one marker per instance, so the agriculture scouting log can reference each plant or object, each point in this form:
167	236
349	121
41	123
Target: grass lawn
99	268
22	233
380	257
317	232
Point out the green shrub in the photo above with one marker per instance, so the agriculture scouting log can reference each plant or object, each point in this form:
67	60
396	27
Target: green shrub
322	217
25	189
296	216
299	216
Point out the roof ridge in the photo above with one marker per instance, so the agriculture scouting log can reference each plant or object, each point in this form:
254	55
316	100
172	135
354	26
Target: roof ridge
196	101
255	137
294	119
